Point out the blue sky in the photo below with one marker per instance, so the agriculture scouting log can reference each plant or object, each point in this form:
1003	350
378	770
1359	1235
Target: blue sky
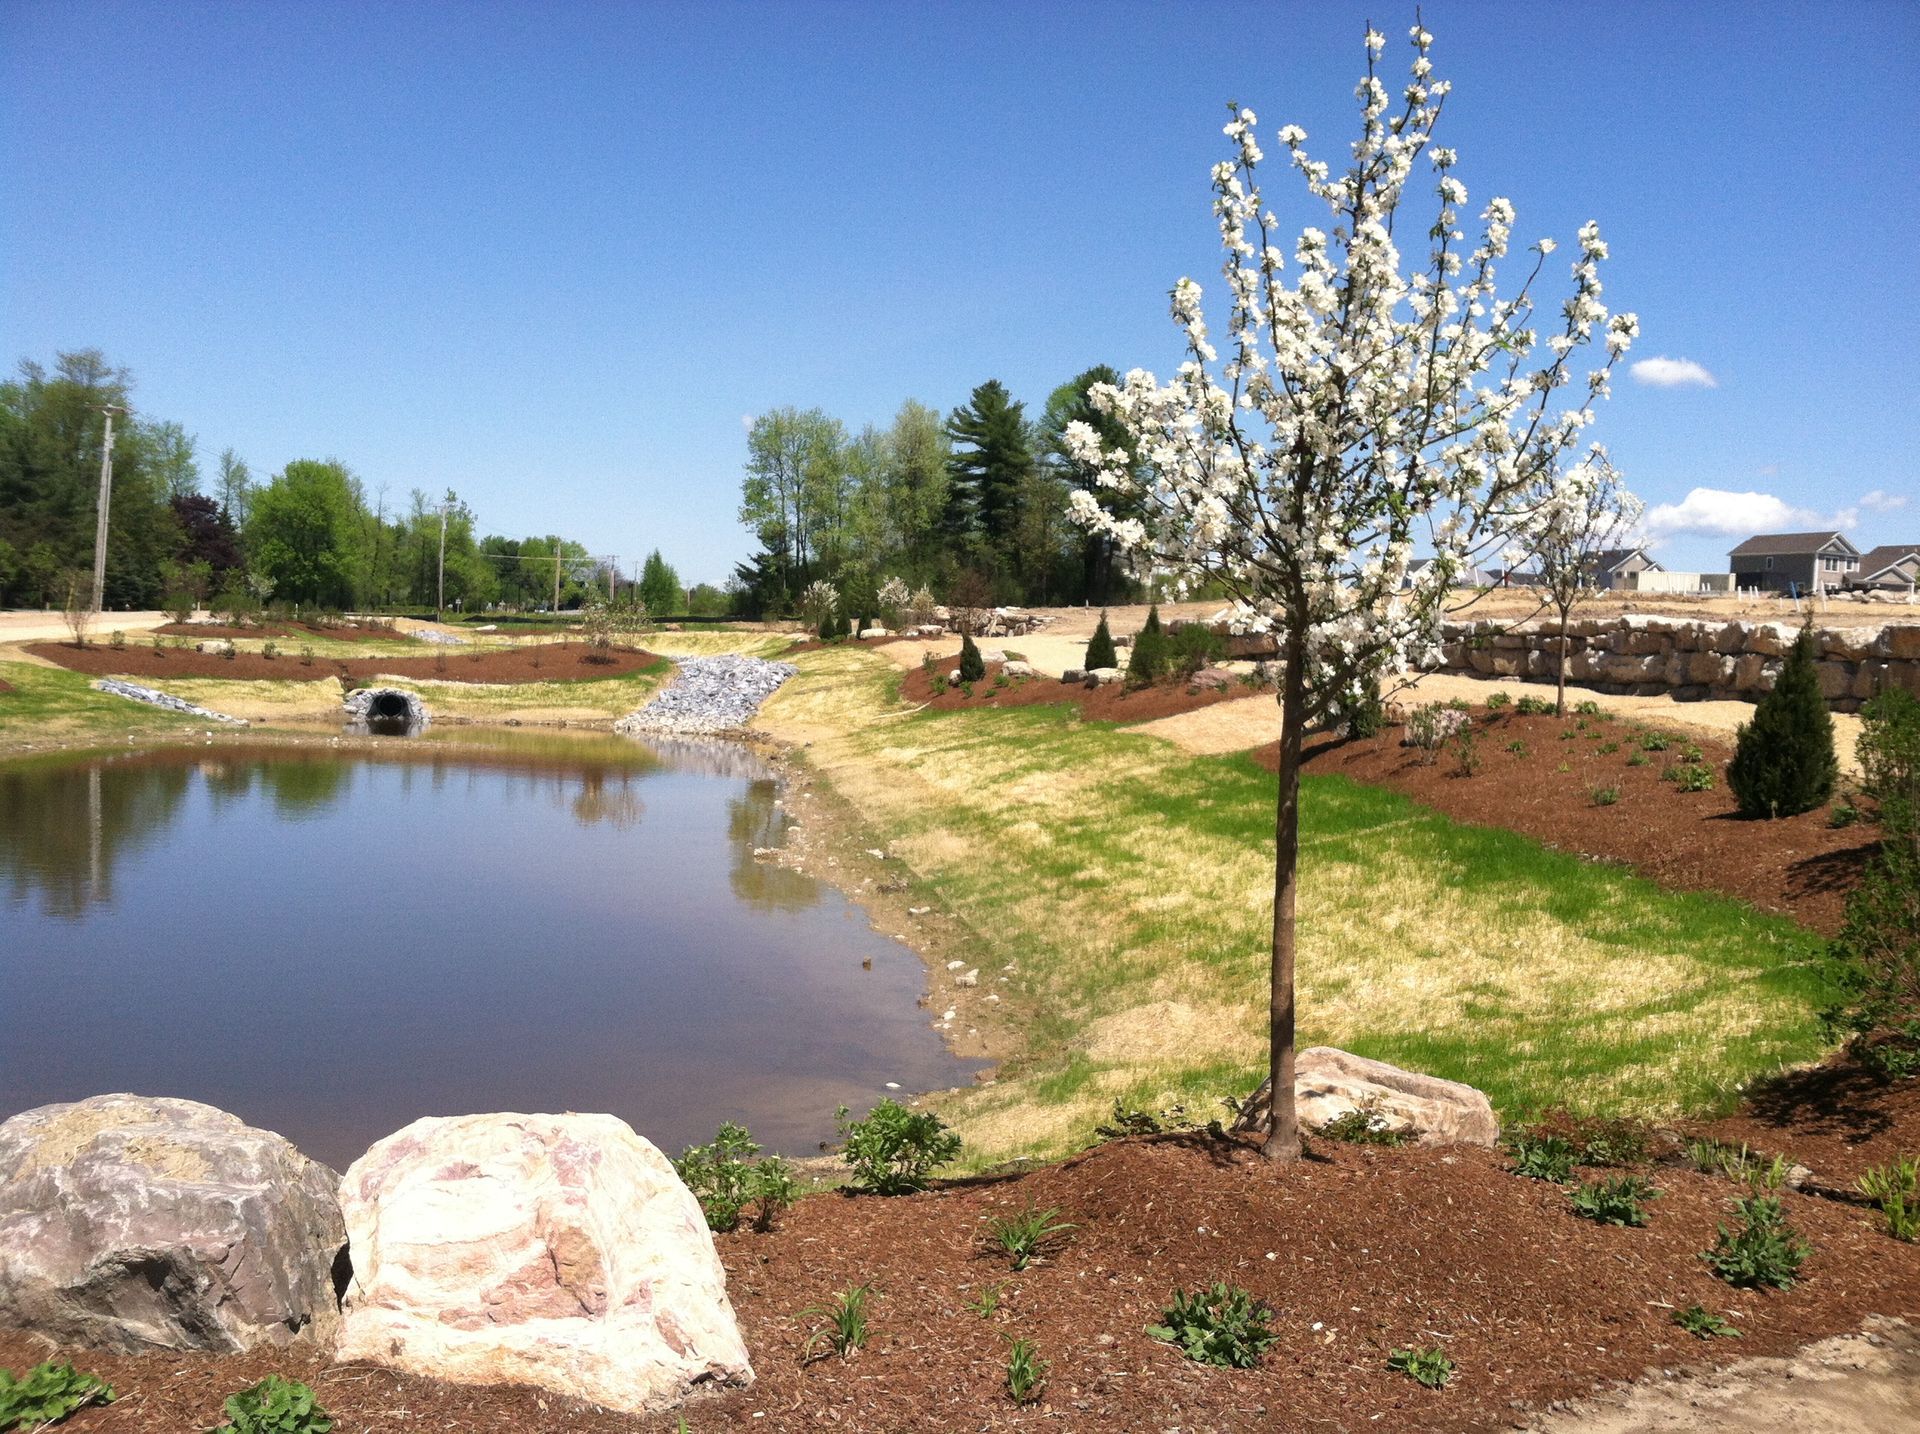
550	255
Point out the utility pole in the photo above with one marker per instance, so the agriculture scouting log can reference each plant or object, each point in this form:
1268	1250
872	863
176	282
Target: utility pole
440	590
556	576
106	501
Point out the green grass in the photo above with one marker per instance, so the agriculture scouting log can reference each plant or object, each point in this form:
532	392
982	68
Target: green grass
1131	885
50	703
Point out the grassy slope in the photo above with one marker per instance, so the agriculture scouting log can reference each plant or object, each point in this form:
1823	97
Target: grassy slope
50	703
1129	885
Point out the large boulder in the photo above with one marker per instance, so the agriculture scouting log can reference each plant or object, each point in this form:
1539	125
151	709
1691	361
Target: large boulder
553	1250
136	1224
1329	1083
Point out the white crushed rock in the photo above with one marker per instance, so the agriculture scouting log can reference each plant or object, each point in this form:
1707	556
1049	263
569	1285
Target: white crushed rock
154	697
710	694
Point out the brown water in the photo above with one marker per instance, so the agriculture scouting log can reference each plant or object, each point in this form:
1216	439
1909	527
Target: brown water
332	945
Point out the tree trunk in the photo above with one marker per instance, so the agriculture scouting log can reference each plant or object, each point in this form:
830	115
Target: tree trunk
1560	696
1283	1125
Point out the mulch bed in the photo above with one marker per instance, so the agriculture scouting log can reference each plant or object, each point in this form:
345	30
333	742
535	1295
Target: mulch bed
544	662
1837	1119
1694	841
338	632
814	644
1359	1250
1111	702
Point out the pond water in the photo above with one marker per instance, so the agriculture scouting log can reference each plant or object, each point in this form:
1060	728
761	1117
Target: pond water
332	944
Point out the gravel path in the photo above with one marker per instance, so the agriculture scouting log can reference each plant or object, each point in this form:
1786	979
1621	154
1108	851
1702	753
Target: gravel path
710	694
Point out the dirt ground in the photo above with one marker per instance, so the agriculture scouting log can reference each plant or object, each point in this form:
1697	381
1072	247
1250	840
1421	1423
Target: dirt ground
31	625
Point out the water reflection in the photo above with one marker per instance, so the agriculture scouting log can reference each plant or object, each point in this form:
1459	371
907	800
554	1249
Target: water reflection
332	945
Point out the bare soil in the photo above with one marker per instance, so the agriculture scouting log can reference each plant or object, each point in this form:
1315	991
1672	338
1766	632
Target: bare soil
1111	702
1358	1251
1692	841
338	632
544	662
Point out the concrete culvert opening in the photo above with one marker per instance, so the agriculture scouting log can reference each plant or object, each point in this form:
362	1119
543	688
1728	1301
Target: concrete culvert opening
390	705
386	711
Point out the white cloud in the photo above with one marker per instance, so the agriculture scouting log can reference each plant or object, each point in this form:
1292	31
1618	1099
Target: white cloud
1672	373
1881	501
1719	512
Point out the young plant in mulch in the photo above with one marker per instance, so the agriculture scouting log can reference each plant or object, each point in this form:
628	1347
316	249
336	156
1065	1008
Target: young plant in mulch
973	667
988	1300
894	1151
1783	760
1738	1162
275	1406
1617	1200
1365	1124
727	1181
1702	1323
1100	651
1541	1157
47	1394
1223	1326
845	1329
1894	1188
1763	1251
1147	662
1026	1371
1430	1367
1028	1235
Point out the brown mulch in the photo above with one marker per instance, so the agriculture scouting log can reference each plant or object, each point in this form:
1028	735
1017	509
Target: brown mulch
5	686
814	644
1359	1251
1837	1119
1691	841
544	662
1111	702
339	632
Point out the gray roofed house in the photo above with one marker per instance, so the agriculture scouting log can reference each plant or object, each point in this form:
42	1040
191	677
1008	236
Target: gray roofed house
1891	567
1610	568
1794	562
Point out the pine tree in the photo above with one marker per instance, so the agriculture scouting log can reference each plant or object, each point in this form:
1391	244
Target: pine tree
1783	761
1100	651
973	667
991	455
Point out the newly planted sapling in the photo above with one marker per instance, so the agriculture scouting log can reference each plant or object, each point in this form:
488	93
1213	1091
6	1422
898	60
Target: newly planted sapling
845	1329
1027	1235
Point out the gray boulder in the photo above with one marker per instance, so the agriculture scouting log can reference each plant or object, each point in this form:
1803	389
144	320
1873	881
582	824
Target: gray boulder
1329	1083
1101	676
134	1224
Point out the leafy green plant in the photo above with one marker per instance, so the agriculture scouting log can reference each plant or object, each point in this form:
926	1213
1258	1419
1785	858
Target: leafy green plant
1587	707
1517	747
1529	706
1783	760
1026	1371
1194	647
1763	1250
1699	1322
1223	1325
306	654
1128	1121
1604	795
939	683
1150	656
1617	1200
845	1329
1692	776
1363	1125
1029	1234
1607	749
726	1179
894	1150
117	640
1541	1157
1895	1189
987	1301
46	1394
275	1406
1843	813
1466	752
1655	742
1738	1162
1497	701
269	649
1637	759
1430	1367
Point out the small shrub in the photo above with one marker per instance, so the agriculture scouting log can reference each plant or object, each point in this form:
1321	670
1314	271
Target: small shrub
1569	734
1637	758
1430	1367
1363	1125
1100	651
1466	752
1358	712
1895	1189
1843	813
1026	1372
1607	749
1697	1321
1028	1235
117	640
1127	1121
1224	1326
1783	760
1617	1200
269	649
178	605
1431	725
1496	701
1764	1250
999	681
845	1329
274	1406
230	651
306	654
966	689
1151	654
1517	747
1655	742
1541	1157
1194	647
1529	706
939	683
1604	796
47	1394
972	667
894	1150
726	1179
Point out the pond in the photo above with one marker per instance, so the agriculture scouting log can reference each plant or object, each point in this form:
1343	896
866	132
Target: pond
330	944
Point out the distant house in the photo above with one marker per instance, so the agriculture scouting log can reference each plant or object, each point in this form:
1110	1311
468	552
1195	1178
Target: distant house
1466	578
1611	569
1892	568
1794	562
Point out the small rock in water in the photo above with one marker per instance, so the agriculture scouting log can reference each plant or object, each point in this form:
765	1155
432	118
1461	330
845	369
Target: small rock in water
893	1085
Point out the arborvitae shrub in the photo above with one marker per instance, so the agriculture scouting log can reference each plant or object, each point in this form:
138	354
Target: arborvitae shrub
1100	651
1147	663
972	667
1783	762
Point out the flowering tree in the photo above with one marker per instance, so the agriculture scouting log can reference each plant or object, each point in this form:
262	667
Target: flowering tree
895	599
1360	410
1577	516
819	601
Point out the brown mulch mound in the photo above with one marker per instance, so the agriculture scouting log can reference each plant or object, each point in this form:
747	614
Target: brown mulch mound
1111	702
1837	1119
1358	1250
1692	841
339	632
544	662
814	644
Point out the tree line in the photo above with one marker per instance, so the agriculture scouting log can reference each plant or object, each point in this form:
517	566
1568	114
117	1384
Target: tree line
973	502
310	534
